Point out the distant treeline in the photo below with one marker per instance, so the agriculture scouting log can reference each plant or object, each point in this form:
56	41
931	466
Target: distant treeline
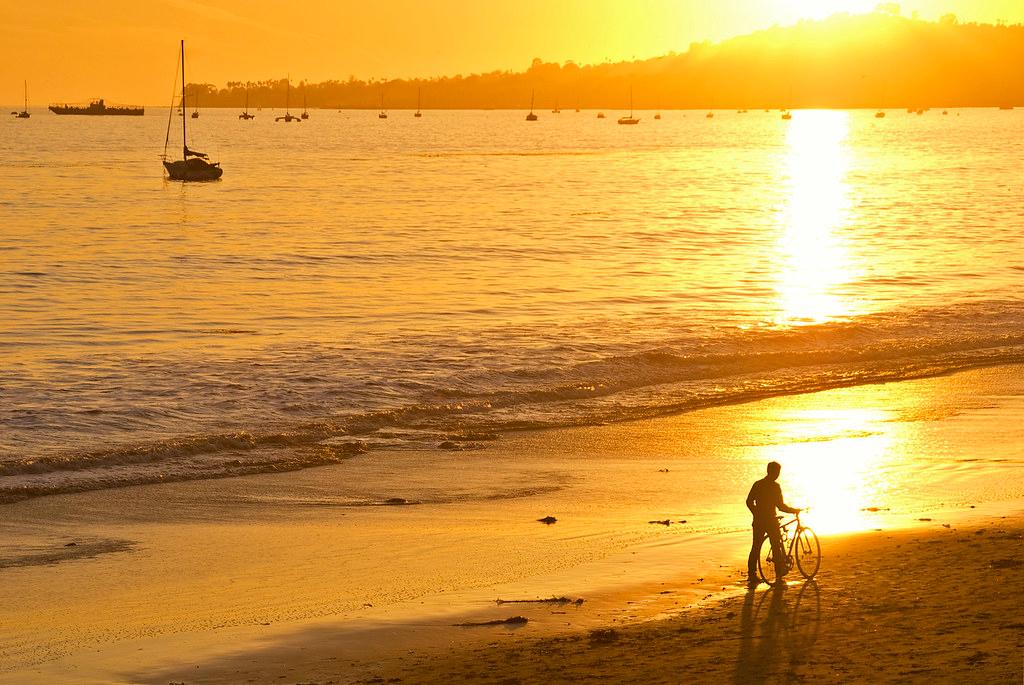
875	60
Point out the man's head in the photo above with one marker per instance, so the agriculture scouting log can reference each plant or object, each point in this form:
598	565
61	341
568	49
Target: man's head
774	469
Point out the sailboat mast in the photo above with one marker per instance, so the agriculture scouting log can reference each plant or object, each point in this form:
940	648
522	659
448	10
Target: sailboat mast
26	96
184	145
631	102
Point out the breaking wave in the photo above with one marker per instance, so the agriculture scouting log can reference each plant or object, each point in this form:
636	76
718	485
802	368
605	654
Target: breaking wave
465	411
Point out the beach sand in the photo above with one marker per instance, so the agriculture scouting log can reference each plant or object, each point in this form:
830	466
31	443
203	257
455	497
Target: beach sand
913	607
312	577
923	606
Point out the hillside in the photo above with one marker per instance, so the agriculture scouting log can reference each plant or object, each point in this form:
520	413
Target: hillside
874	60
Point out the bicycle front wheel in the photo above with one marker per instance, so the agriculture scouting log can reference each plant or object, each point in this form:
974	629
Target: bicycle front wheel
808	553
766	562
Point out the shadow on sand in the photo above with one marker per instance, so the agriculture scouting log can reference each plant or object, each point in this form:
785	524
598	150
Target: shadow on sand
778	632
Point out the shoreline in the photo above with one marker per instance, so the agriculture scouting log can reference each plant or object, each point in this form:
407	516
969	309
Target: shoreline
214	571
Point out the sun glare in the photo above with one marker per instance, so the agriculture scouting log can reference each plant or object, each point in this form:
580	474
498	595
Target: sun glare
812	258
819	9
840	486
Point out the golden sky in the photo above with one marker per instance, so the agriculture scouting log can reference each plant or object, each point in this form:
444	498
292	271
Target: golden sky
125	50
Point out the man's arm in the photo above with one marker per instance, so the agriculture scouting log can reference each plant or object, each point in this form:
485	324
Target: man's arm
750	498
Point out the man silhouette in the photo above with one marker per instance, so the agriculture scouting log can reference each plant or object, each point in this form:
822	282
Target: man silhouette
764	498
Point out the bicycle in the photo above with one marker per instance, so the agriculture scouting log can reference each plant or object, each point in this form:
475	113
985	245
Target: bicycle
803	547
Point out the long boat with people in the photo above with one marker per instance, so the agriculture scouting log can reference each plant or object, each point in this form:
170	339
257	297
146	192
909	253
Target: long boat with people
98	108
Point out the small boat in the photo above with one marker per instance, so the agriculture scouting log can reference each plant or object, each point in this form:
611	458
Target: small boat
556	110
600	115
945	112
193	165
531	116
658	116
630	120
787	115
1006	107
709	115
418	114
382	114
23	114
245	114
288	116
195	105
305	112
879	115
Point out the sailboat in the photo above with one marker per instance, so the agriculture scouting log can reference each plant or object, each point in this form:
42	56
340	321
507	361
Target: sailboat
195	105
531	116
193	165
787	115
305	114
287	118
23	114
245	115
600	115
418	114
556	110
382	114
630	120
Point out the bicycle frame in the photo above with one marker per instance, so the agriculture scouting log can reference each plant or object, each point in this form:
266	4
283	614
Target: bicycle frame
809	549
787	538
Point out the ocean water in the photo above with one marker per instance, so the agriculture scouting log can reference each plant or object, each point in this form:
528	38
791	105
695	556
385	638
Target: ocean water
354	283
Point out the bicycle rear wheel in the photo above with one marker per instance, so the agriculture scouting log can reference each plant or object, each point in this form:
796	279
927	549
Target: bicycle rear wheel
808	553
766	562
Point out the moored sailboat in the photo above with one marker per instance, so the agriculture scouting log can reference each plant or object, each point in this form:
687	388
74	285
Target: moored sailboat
287	118
305	112
382	114
23	114
245	114
531	116
418	113
193	165
630	120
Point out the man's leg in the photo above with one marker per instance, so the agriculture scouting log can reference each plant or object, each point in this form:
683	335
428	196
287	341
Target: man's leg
778	553
755	550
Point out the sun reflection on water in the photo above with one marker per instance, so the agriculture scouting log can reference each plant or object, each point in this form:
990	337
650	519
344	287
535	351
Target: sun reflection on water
834	463
812	259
